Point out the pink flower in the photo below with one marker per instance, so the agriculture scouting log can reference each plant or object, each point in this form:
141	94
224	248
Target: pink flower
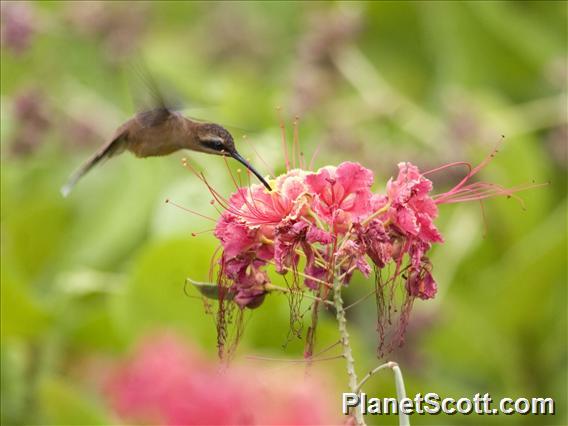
412	209
287	238
291	189
256	206
316	235
167	383
378	243
322	227
341	194
421	283
301	235
249	280
355	253
235	236
305	216
315	273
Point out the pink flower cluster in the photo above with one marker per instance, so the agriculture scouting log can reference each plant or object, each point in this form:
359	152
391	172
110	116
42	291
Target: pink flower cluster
328	222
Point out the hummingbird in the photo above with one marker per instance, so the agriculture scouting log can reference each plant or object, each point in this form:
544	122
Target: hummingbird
161	131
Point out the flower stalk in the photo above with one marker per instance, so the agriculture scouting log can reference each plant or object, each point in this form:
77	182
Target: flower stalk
346	346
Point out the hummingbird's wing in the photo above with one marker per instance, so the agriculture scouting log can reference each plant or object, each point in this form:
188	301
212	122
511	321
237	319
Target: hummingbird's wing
153	105
148	93
154	117
157	102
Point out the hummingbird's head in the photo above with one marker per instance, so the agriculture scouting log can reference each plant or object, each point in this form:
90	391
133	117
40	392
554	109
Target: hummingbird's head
215	139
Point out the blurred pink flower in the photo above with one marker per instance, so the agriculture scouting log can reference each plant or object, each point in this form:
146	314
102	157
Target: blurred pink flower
18	25
168	383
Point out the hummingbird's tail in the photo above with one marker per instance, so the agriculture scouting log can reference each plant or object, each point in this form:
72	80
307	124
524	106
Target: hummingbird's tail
74	178
112	148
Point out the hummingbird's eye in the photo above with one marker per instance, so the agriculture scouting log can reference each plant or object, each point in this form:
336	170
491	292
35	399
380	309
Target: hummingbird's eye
214	144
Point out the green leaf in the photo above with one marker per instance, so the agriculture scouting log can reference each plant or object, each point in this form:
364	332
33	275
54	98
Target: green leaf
211	291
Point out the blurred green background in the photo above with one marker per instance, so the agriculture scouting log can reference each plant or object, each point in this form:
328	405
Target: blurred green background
84	278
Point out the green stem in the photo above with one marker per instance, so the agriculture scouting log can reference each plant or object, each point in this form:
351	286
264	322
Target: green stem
400	393
347	352
272	287
403	419
373	372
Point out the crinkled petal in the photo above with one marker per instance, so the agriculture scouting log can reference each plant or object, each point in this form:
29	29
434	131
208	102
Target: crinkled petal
354	178
422	284
235	236
317	235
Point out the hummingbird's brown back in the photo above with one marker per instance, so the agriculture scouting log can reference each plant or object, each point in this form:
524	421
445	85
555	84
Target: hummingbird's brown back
147	137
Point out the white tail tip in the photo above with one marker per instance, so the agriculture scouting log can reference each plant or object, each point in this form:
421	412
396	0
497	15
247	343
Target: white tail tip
66	190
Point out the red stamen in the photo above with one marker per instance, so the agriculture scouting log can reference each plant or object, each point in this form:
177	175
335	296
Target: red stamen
447	166
475	170
168	201
271	170
482	190
296	142
314	155
231	173
214	261
205	231
283	132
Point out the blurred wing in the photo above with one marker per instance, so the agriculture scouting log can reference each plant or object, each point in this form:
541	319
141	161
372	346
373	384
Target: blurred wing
153	106
153	117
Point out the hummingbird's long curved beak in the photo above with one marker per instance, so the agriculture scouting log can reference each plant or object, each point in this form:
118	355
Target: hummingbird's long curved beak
241	160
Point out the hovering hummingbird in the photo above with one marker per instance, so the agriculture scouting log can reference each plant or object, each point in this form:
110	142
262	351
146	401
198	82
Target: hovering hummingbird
161	131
